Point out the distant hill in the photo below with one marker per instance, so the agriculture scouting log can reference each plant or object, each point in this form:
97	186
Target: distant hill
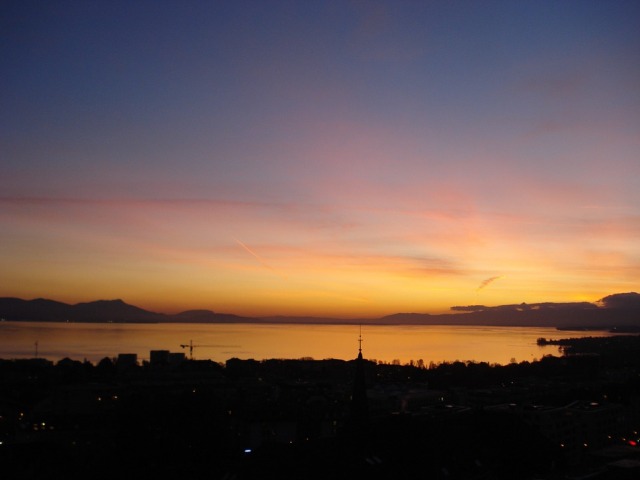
113	311
619	311
630	301
101	311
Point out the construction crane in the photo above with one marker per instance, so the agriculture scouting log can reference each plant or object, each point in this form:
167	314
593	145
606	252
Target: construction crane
191	346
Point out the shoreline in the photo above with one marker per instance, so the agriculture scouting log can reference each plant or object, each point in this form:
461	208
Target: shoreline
622	329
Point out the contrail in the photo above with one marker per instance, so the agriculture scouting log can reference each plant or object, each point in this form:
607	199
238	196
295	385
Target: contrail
487	282
250	251
258	258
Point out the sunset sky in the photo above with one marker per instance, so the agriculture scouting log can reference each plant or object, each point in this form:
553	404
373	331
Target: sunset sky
338	158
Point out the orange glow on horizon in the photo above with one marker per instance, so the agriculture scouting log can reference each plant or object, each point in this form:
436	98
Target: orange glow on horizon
310	267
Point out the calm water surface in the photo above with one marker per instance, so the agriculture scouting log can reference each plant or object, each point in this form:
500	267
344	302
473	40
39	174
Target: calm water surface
220	342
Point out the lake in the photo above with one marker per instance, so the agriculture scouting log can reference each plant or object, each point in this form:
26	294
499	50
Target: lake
219	342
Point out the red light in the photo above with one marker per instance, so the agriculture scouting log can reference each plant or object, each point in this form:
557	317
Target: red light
633	443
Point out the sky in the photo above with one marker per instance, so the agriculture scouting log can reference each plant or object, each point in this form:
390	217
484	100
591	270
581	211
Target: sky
338	158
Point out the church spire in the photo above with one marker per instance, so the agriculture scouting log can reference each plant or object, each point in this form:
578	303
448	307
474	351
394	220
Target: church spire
359	404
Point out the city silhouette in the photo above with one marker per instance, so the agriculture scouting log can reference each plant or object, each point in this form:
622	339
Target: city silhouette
574	416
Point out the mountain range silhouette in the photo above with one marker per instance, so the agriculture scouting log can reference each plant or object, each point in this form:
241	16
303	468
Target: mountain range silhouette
618	311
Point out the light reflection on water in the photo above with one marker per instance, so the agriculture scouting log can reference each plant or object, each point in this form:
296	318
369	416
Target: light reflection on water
220	342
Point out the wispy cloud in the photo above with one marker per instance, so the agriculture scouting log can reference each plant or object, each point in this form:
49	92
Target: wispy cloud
487	282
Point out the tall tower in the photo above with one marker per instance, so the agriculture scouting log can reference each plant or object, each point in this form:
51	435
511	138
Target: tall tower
359	404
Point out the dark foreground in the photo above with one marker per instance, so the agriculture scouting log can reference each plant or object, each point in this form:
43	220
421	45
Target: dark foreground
577	416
